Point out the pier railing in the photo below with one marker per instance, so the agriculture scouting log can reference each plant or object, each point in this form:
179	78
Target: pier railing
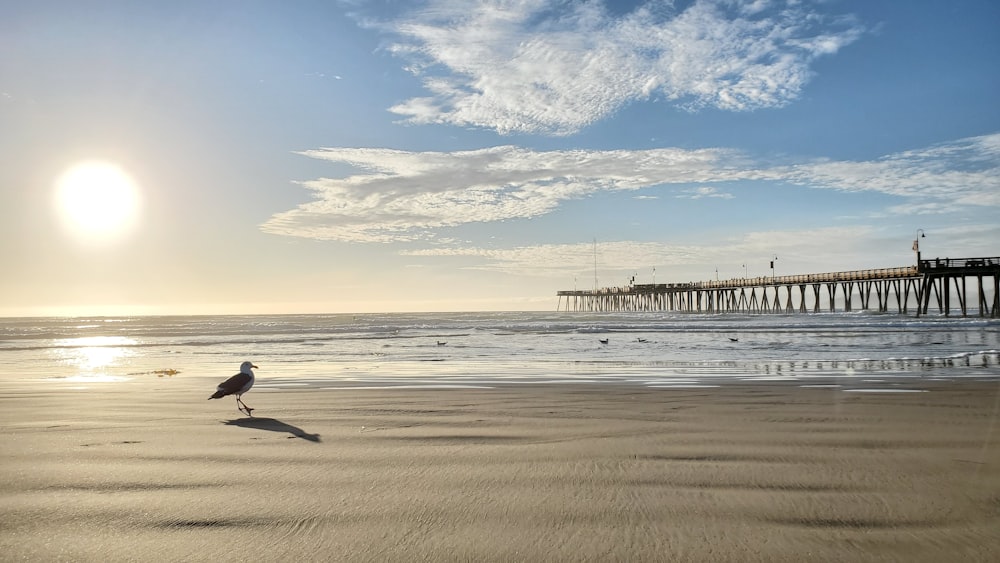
964	264
829	277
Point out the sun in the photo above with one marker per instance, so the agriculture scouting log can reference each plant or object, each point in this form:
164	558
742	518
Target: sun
97	200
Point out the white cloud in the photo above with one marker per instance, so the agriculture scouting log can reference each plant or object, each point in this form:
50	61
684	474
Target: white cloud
963	172
405	196
812	250
920	208
545	66
702	192
807	250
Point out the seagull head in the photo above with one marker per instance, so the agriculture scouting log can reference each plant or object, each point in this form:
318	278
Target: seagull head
246	366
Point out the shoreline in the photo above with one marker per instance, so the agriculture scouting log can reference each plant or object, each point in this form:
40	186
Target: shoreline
757	472
903	375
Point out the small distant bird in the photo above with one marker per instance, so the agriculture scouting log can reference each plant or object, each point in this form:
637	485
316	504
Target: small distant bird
642	340
441	343
237	385
603	341
731	339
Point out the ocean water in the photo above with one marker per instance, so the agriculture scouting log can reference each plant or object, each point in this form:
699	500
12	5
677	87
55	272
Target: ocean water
851	351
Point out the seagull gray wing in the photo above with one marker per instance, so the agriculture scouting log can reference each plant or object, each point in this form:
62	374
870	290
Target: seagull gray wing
234	384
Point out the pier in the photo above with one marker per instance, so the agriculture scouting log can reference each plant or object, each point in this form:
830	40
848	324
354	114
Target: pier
910	288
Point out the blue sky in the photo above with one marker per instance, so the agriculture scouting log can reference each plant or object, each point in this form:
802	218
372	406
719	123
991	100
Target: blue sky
393	156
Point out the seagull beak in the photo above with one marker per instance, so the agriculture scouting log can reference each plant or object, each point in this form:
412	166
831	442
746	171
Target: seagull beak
254	367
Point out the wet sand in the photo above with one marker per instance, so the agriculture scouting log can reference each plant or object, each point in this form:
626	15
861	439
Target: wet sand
152	471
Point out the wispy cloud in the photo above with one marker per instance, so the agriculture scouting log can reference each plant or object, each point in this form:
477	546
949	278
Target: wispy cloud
962	172
702	192
405	196
553	67
671	260
804	251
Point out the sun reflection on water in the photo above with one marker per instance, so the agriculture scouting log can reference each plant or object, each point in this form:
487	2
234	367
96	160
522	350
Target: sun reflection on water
95	357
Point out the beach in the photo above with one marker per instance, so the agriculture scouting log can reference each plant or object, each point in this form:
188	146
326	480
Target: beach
148	470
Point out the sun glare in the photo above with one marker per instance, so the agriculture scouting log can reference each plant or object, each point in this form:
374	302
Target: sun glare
97	200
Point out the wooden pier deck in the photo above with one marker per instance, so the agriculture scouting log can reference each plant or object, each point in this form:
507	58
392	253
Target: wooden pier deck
902	289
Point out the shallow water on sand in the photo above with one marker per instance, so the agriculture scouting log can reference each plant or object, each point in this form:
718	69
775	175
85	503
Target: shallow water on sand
852	351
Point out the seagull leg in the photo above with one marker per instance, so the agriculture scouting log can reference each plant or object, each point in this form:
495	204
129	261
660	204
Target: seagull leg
241	405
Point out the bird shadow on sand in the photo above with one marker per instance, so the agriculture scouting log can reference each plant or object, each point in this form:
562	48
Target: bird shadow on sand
273	425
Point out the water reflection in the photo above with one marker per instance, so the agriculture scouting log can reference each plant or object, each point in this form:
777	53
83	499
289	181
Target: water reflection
92	358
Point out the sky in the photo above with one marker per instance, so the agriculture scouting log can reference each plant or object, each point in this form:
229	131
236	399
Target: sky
348	157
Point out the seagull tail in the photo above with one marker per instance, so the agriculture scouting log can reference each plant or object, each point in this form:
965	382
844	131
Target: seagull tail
217	395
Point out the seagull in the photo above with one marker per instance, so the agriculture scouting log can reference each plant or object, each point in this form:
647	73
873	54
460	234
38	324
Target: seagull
237	385
603	340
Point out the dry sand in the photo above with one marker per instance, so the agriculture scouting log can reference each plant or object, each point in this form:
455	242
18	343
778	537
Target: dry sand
152	471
